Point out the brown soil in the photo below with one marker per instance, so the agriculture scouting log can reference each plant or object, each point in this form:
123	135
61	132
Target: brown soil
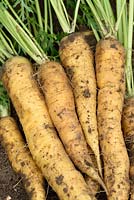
10	183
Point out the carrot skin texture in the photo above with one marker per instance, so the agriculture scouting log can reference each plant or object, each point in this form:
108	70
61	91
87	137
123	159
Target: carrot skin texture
110	59
77	59
60	102
20	158
128	130
93	186
45	146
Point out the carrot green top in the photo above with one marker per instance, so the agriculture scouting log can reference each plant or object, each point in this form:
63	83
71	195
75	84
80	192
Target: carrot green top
121	29
4	102
6	51
119	26
22	33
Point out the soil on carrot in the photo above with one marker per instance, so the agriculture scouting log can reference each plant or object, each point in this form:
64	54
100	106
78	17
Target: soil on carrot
11	185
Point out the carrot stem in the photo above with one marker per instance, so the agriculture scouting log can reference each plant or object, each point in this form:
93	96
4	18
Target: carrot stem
39	14
50	17
120	16
109	11
61	14
75	16
129	70
25	40
97	17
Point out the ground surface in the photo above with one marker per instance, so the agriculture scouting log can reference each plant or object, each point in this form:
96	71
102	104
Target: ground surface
10	183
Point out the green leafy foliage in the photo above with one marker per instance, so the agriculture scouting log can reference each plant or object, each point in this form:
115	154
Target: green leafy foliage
22	6
4	101
50	43
86	17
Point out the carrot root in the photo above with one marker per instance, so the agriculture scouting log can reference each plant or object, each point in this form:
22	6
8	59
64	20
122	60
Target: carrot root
110	59
43	142
77	59
60	102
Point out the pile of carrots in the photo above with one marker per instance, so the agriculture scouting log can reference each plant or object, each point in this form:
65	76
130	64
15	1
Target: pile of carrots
73	117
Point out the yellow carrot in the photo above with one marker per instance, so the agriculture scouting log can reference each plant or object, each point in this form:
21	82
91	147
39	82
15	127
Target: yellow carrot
77	59
110	59
60	102
45	146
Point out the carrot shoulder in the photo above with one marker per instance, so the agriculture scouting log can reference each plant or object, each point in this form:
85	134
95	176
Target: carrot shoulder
110	59
45	146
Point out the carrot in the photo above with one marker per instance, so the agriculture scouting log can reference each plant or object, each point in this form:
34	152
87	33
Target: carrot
23	37
128	109
93	186
60	102
77	59
11	139
128	130
110	71
110	60
21	159
45	147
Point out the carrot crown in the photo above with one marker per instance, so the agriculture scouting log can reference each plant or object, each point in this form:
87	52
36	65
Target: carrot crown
125	36
102	12
122	29
63	16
